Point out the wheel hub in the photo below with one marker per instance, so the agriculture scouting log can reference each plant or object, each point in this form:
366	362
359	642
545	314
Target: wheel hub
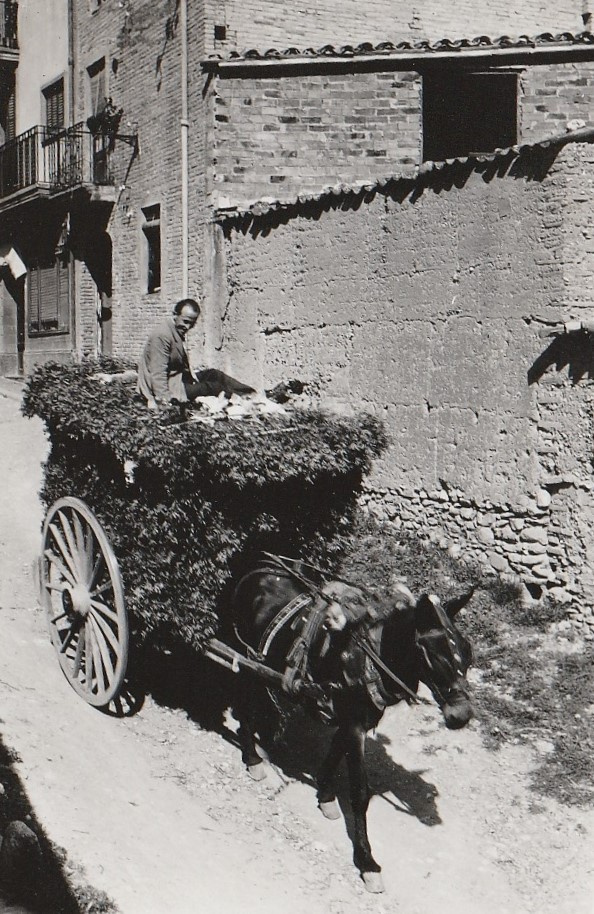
77	600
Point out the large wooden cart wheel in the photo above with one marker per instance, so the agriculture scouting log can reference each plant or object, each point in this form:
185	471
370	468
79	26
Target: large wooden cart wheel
82	592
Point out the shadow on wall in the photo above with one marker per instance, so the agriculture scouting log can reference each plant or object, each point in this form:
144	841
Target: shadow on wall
530	163
574	351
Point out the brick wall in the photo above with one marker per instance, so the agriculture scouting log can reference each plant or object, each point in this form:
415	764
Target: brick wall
285	135
338	22
552	96
431	308
141	41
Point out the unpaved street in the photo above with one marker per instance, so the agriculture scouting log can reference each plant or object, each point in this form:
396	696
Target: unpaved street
161	815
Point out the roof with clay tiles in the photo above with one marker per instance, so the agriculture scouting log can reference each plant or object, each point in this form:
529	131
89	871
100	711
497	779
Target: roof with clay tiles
267	205
546	41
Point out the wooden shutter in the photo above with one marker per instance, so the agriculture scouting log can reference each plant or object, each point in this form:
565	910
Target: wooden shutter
48	297
33	289
63	294
54	106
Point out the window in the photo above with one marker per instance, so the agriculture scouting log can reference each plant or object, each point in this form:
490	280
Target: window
97	86
152	233
54	106
466	113
7	107
48	296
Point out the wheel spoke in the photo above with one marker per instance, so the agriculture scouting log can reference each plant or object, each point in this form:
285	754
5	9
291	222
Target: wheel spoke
95	572
81	540
103	650
59	565
69	636
73	549
107	631
58	617
105	611
96	656
80	644
59	587
64	550
88	664
99	590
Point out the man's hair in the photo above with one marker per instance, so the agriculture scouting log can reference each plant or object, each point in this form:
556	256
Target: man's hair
190	302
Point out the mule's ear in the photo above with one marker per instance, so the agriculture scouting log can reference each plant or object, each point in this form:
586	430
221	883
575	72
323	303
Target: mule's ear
453	606
425	617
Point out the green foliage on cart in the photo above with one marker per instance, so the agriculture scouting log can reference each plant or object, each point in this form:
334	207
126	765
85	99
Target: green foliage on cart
188	505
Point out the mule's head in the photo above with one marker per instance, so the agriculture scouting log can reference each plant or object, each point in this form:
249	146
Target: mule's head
445	656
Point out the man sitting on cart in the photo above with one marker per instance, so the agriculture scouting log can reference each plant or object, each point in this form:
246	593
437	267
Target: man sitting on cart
164	372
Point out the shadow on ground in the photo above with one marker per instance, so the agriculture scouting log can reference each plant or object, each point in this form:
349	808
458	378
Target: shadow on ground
295	743
32	877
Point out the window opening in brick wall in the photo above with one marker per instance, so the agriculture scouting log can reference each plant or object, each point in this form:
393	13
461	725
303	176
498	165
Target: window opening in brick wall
97	86
97	89
465	113
7	107
48	296
152	233
54	106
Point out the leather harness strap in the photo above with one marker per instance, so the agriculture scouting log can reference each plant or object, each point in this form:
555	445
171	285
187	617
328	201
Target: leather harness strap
287	612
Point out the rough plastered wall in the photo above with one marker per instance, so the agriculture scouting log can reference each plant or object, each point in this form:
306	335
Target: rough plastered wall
256	24
430	306
563	379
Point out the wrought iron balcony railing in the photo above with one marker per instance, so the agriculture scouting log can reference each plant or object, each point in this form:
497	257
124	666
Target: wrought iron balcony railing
54	160
8	24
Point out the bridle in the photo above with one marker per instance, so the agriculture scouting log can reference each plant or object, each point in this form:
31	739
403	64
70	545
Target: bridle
453	662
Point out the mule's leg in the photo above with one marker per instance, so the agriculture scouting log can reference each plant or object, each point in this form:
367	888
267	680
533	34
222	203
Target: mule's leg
326	790
359	785
244	710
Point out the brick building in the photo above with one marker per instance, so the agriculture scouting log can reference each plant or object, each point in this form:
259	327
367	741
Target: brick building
364	195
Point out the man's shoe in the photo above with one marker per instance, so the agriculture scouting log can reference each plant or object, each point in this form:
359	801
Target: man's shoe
283	391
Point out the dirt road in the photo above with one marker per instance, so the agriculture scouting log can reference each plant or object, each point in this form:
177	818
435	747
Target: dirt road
163	818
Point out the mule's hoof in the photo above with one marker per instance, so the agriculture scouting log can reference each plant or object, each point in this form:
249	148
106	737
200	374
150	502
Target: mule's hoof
373	882
330	810
257	772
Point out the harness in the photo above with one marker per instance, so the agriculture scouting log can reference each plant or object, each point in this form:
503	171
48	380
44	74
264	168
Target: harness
313	601
367	637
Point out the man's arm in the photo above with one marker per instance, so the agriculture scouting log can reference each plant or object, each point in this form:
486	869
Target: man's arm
157	361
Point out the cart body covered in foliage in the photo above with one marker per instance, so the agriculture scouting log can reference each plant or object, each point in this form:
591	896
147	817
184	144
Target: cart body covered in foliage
185	504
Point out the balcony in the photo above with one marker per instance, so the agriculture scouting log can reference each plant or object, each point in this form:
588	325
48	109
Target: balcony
41	162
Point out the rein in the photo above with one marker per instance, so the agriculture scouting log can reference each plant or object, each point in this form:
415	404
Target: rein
287	565
379	663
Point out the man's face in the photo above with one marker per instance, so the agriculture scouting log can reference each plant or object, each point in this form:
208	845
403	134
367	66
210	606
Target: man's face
185	320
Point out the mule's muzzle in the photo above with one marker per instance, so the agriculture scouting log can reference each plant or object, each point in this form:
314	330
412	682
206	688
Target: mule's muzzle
457	710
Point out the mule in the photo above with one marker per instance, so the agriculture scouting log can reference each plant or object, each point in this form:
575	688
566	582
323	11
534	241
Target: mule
347	658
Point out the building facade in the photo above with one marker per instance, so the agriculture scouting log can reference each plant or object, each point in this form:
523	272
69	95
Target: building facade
390	201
